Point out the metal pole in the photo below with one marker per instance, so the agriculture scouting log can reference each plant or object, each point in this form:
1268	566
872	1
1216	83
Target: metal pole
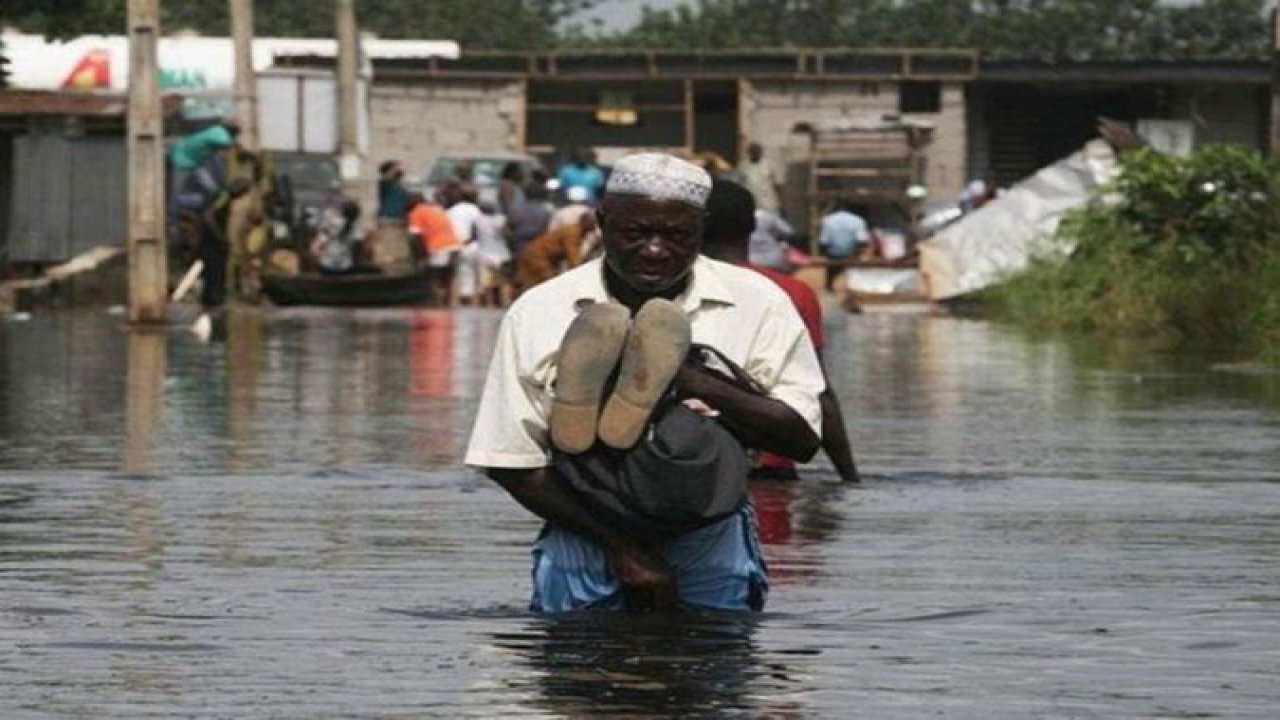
689	137
148	276
348	110
1274	135
246	91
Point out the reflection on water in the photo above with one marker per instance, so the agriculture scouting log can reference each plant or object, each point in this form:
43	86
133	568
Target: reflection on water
602	665
144	400
277	525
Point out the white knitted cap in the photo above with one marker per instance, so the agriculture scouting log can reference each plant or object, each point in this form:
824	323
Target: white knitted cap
660	176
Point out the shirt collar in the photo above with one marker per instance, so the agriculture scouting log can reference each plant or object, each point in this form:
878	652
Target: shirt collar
705	287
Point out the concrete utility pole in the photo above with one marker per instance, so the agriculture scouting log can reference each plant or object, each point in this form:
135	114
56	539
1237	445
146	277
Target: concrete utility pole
348	109
144	400
246	90
148	275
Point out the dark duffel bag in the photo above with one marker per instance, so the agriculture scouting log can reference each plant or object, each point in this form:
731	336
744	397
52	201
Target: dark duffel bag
687	472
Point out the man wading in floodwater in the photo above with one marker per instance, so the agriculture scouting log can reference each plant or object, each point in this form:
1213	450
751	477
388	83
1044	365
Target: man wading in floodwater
652	221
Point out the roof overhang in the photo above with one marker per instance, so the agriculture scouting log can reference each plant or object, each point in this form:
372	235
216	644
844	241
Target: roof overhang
32	103
1231	72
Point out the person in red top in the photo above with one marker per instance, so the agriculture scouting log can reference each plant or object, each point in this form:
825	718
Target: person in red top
726	234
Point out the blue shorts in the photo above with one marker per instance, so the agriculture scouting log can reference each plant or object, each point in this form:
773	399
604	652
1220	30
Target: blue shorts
718	567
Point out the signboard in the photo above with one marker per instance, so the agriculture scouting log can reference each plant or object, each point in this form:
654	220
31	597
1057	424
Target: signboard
187	63
298	111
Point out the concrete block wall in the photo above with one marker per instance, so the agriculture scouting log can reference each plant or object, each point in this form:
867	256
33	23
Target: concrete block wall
770	109
416	120
946	164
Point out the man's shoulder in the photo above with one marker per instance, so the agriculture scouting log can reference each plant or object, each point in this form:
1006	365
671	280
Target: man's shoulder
426	213
213	133
745	283
792	286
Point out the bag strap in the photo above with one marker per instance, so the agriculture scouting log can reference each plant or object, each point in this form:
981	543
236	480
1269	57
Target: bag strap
739	376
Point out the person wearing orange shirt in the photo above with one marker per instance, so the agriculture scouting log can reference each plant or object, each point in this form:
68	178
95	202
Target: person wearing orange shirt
565	247
434	241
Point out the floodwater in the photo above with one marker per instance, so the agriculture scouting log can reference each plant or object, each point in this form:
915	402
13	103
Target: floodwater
278	526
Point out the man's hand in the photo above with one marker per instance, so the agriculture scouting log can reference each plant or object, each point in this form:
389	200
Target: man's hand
759	422
647	581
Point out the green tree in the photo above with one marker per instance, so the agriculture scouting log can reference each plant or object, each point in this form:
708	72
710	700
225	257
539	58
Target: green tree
477	24
1052	30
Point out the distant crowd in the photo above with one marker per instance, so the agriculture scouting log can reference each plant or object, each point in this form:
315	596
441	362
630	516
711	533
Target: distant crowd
488	251
480	241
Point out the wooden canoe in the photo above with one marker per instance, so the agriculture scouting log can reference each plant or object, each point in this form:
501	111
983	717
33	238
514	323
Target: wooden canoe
355	290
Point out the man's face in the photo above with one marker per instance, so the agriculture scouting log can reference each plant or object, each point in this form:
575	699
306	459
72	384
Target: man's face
650	244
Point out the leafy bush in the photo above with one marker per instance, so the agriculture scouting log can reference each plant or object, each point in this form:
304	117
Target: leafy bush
1186	250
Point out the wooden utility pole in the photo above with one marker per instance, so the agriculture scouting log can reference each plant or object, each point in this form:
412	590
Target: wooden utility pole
148	275
348	109
246	90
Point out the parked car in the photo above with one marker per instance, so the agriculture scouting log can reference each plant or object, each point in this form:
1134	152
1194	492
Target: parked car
486	171
314	179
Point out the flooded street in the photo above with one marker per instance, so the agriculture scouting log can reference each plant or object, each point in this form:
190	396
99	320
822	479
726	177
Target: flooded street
278	525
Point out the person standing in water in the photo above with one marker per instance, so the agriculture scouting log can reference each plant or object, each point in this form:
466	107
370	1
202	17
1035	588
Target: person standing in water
727	237
652	221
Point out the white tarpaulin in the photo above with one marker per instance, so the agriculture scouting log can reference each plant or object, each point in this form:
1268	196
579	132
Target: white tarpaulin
883	281
1002	236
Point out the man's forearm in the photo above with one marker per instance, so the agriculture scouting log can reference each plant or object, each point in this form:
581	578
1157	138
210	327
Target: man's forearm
835	438
758	422
539	492
646	578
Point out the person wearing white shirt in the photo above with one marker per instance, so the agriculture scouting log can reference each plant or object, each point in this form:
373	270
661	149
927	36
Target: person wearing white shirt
570	214
470	226
651	217
761	179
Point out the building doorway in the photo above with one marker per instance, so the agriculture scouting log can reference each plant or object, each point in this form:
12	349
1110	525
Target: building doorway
617	116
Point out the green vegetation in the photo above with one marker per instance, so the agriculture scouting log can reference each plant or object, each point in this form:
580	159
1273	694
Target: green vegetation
476	24
1050	30
1185	251
1047	30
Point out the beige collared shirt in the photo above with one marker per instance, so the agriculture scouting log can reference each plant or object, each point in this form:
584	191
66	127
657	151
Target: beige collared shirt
737	311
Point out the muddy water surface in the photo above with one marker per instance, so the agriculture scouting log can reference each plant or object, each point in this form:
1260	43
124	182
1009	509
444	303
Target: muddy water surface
277	526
